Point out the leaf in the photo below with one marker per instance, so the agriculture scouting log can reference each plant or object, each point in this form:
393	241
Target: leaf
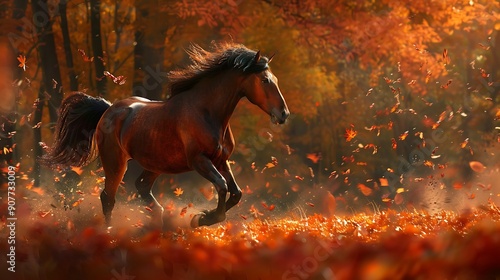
403	136
384	182
477	166
22	62
398	198
366	191
314	157
178	191
183	211
350	134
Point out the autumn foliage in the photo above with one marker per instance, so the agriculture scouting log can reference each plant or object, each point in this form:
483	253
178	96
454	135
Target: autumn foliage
388	167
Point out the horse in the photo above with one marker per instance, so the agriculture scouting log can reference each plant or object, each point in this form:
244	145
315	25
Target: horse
188	131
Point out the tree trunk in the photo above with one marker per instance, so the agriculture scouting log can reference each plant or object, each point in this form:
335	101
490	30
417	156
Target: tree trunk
51	89
148	51
95	31
37	136
73	81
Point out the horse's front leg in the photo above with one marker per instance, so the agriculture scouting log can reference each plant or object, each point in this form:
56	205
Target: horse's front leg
234	189
205	167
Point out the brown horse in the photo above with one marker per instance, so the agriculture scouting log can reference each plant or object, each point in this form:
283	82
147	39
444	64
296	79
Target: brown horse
189	131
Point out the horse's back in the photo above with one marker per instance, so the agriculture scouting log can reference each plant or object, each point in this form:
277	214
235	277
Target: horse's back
148	131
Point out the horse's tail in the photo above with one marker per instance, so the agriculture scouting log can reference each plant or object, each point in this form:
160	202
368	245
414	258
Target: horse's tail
74	143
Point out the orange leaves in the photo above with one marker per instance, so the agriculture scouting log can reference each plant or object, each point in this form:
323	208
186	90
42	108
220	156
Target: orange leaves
477	166
22	62
178	191
403	136
366	191
350	133
314	157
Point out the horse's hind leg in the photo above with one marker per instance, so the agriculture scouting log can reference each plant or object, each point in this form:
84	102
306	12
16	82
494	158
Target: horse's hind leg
144	184
114	164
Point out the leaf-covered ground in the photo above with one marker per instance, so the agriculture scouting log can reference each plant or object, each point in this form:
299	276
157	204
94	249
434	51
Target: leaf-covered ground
385	245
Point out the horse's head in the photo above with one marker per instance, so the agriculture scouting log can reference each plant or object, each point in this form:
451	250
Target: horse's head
261	88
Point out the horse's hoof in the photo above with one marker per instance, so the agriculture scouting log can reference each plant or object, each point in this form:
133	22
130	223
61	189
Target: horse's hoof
195	221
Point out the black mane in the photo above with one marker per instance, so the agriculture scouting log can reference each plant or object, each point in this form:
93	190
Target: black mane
204	63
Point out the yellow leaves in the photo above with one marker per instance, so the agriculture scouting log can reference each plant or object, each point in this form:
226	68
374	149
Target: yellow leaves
22	62
403	136
178	191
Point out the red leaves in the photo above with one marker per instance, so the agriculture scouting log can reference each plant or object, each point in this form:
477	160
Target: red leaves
119	80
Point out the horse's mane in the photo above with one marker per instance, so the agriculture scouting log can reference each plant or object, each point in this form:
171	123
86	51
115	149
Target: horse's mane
204	63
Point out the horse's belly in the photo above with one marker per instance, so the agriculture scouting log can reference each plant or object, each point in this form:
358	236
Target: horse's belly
169	158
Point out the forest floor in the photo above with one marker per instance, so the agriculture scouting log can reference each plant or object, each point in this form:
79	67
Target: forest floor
73	243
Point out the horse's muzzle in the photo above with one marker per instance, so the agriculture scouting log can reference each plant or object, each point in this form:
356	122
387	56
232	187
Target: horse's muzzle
279	116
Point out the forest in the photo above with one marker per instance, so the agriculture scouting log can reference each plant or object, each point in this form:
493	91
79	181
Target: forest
388	161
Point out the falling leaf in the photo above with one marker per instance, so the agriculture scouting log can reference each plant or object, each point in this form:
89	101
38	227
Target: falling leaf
76	203
398	198
299	178
178	191
477	166
183	211
314	157
22	62
457	185
445	86
350	134
366	191
310	204
85	57
384	182
464	143
38	125
394	144
119	80
403	136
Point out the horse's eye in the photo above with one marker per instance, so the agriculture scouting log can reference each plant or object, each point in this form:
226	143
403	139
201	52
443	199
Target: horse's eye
266	80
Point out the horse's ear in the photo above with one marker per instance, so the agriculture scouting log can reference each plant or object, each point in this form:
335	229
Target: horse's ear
270	58
257	57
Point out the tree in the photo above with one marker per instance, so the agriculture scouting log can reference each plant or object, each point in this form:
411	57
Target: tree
96	39
73	82
51	89
149	49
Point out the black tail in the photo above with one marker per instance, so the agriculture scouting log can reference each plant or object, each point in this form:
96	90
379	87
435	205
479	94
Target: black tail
73	138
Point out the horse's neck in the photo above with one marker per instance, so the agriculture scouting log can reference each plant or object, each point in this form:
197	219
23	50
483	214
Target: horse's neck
218	97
